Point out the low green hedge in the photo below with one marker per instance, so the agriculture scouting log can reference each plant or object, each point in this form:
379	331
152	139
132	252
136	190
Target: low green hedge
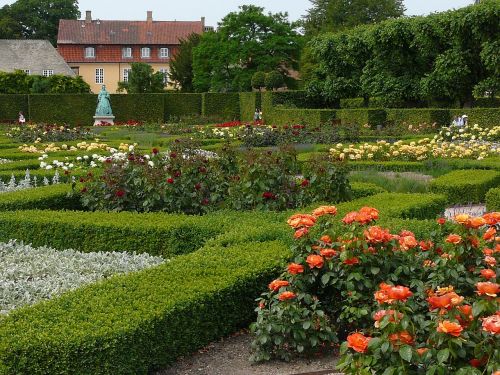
365	189
20	165
396	166
465	186
136	323
493	199
52	197
373	117
415	116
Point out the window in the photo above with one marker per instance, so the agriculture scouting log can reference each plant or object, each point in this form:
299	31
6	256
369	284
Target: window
76	69
89	52
47	72
164	53
126	72
27	71
145	52
164	71
127	52
99	75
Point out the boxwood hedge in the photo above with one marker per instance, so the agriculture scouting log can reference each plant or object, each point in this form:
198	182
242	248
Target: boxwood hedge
466	186
53	197
493	199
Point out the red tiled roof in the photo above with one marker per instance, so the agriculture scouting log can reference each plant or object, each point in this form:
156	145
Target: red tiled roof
126	32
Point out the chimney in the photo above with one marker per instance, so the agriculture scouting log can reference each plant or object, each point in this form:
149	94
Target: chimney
203	24
88	16
150	16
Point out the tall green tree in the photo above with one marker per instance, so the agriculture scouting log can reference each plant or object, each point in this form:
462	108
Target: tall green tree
246	42
143	79
181	67
336	15
36	19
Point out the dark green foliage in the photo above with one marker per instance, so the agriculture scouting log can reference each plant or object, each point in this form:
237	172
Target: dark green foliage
440	57
53	197
372	117
466	186
36	19
246	42
141	107
493	199
11	105
353	103
70	109
143	79
249	101
19	82
487	102
364	189
181	66
225	105
313	117
259	80
419	116
274	80
182	105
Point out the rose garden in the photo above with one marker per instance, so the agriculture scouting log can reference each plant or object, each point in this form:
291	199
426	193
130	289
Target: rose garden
367	229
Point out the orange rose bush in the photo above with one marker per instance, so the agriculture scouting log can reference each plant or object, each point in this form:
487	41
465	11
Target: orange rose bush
396	303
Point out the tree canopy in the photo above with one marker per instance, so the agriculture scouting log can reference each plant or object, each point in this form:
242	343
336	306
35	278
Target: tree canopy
19	82
337	15
143	79
181	67
246	42
36	19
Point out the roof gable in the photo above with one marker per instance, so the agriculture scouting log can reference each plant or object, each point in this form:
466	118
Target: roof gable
126	32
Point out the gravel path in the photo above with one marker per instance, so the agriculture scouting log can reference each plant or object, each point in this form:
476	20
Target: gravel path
409	175
472	209
230	356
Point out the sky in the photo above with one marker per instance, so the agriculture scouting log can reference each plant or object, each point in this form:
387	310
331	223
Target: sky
214	10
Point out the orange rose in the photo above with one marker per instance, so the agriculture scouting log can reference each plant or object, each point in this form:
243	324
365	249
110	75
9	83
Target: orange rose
285	296
328	253
402	337
491	324
393	316
492	218
462	218
487	251
371	212
441	221
301	232
358	342
376	235
450	328
277	284
400	293
466	317
325	210
422	351
301	220
490	261
488	288
351	261
350	218
490	234
476	222
407	242
315	261
295	268
455	239
441	302
326	239
488	273
426	246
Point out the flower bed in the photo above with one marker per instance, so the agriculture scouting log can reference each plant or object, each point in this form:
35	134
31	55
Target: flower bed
409	305
48	133
29	275
5	161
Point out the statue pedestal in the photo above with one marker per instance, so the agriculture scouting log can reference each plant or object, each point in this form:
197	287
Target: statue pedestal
104	120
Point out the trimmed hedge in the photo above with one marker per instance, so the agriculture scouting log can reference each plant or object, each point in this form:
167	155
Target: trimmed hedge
20	165
136	323
353	103
312	117
11	105
486	102
493	199
72	109
180	104
249	101
373	117
142	107
420	115
226	105
53	197
365	189
465	186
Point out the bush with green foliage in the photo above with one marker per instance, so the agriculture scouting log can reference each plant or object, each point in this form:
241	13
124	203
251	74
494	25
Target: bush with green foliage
19	82
493	199
259	80
143	79
466	186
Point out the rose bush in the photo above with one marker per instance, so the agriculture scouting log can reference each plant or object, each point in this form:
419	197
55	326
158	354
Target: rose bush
49	133
404	305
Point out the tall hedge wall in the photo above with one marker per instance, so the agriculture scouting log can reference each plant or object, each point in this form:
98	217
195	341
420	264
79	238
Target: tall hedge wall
249	101
314	117
373	117
73	109
226	105
180	104
419	115
143	107
11	105
483	116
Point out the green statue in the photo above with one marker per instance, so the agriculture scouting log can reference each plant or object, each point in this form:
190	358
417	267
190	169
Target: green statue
103	103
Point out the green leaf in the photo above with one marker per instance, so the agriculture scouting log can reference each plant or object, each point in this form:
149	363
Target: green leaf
325	278
443	355
406	353
306	325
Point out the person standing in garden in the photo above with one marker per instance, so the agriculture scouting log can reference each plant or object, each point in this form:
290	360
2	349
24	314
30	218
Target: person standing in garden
256	115
21	120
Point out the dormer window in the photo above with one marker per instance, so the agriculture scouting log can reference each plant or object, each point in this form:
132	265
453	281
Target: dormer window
89	52
164	53
127	52
145	52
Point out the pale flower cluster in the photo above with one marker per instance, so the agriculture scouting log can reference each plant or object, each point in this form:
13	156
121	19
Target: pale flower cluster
5	161
414	151
52	147
29	275
26	183
468	133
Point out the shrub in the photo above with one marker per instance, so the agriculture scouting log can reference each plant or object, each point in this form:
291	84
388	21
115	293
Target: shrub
53	197
11	105
225	105
364	189
486	117
249	101
466	186
143	107
353	103
372	117
180	104
493	199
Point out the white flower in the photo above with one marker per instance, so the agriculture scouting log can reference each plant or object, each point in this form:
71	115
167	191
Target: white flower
86	157
151	164
93	164
79	158
48	167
